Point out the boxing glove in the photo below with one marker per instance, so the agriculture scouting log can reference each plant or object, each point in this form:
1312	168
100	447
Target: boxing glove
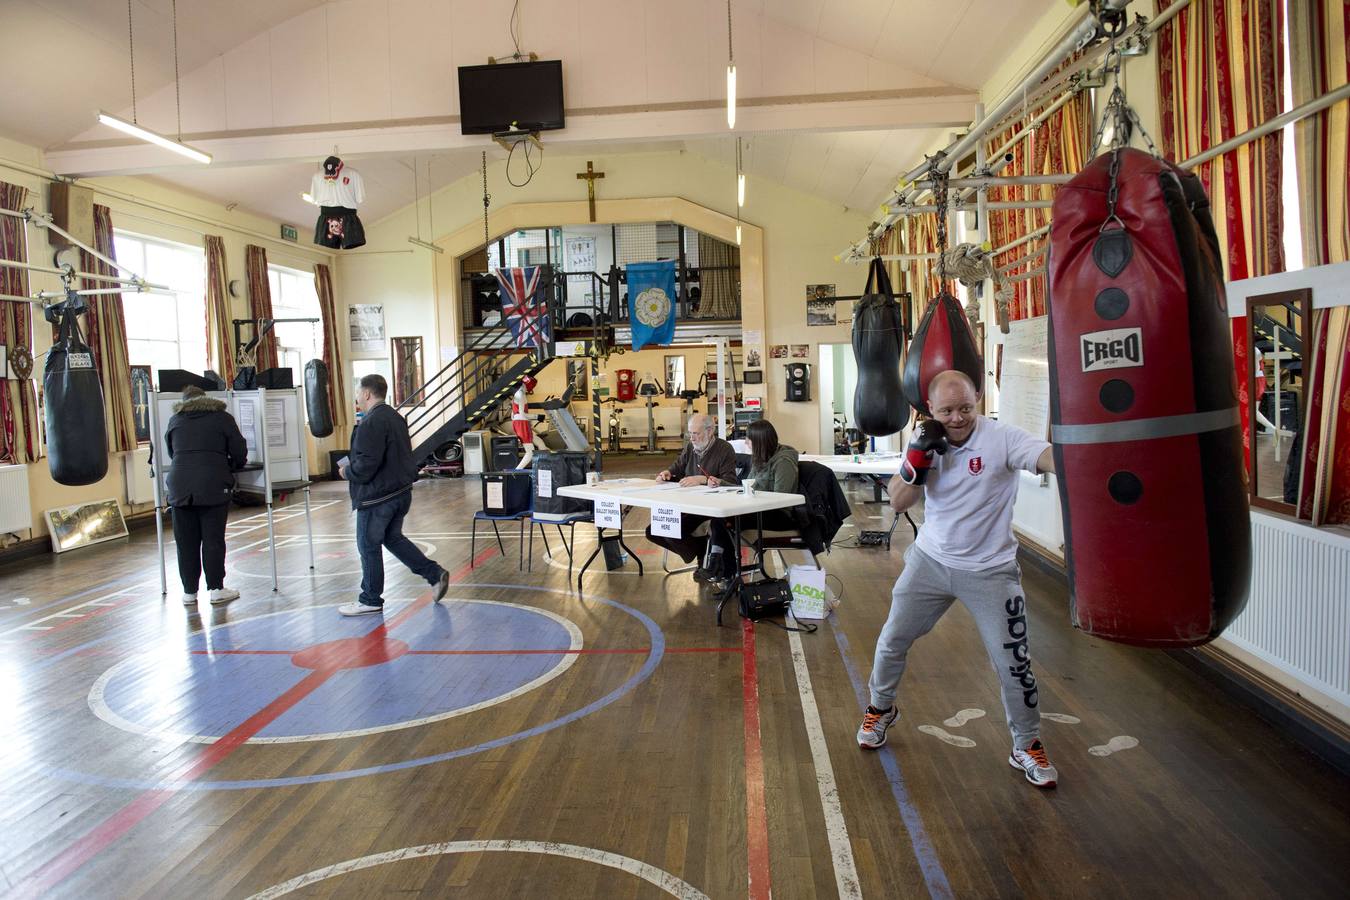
929	438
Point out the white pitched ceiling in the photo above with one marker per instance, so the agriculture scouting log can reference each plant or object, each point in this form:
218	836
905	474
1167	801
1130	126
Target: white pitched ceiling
858	87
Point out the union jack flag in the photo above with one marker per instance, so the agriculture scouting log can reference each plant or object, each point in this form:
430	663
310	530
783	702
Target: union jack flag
523	305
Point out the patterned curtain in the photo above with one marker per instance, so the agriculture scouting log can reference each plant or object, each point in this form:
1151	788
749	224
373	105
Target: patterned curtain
719	288
1058	145
260	303
219	335
20	430
1318	35
332	348
1220	72
106	334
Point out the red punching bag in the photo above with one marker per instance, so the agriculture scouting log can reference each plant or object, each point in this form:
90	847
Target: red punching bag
1144	416
943	341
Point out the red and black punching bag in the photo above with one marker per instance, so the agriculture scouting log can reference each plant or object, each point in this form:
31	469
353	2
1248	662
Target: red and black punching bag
1144	411
943	341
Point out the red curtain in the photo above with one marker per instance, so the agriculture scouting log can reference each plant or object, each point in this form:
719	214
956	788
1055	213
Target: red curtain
1220	72
106	334
332	347
219	336
260	303
20	429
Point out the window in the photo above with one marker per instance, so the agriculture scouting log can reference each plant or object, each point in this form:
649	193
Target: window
295	297
165	331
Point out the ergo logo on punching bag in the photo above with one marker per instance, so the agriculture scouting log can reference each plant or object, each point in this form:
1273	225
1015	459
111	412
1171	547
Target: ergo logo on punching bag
1118	348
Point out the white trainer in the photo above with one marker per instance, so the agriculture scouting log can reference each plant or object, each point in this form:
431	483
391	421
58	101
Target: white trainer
357	608
189	599
872	732
221	596
1035	764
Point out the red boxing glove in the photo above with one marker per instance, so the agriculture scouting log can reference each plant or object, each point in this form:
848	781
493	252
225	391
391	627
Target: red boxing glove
929	438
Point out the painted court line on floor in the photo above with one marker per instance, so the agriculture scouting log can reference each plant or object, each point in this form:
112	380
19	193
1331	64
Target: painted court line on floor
756	815
841	851
94	842
930	866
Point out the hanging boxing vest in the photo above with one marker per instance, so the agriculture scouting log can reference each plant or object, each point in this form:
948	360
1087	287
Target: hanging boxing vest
1143	405
316	398
77	440
944	341
879	406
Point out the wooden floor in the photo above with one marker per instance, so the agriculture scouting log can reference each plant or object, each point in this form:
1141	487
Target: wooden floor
521	741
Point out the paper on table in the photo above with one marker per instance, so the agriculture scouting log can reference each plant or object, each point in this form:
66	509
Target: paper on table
666	521
607	514
665	486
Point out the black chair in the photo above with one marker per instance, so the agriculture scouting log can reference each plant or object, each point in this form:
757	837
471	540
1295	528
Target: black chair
816	522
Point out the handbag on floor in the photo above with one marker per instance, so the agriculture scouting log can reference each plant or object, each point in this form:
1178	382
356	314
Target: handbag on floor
760	600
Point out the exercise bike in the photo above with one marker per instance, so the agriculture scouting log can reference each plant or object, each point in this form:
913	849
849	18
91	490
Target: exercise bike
689	396
650	389
615	425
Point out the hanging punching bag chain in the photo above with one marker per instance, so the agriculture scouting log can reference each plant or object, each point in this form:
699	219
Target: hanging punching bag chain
939	180
487	198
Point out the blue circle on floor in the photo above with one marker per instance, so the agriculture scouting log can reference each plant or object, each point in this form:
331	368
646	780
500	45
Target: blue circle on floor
346	676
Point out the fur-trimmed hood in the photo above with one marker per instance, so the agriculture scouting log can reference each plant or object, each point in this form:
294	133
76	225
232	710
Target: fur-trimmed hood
199	405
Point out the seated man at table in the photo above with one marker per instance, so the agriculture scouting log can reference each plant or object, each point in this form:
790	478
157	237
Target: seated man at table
705	460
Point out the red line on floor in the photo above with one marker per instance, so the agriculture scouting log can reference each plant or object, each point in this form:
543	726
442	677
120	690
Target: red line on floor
94	842
756	817
97	611
582	652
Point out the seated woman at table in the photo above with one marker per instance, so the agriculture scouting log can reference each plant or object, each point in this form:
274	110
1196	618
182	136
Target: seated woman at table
773	467
705	460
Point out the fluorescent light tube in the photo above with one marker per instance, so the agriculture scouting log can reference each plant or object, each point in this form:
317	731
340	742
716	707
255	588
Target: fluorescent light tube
151	137
731	96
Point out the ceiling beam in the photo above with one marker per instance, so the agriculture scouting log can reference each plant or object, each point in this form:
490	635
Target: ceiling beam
910	109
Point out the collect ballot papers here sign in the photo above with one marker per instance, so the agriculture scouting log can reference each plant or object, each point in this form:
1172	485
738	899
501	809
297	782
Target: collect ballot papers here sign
607	514
666	521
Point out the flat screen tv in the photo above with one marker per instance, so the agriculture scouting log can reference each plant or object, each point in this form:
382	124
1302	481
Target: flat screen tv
525	96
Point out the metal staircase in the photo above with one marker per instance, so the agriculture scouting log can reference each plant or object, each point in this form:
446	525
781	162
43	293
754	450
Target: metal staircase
473	385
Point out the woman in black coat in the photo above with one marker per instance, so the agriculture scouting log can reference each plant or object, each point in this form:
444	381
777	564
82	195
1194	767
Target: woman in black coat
206	449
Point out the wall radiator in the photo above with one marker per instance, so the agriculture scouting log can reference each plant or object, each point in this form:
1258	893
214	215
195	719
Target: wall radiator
136	469
16	513
1298	616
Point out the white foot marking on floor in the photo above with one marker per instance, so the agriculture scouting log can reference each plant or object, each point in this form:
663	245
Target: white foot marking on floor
962	717
1115	745
1061	718
954	740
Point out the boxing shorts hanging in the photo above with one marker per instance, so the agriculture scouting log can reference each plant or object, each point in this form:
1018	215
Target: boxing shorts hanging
943	341
879	407
1144	416
339	228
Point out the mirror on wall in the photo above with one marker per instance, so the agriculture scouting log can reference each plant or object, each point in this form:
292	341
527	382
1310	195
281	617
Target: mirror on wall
1277	335
674	375
406	354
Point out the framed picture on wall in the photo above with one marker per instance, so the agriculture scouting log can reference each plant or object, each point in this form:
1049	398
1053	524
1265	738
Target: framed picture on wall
85	524
141	388
406	356
366	324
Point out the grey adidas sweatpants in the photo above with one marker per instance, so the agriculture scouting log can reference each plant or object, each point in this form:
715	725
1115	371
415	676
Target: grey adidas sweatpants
923	592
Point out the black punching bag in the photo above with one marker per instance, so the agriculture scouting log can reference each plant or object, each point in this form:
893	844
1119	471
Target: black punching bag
942	341
316	398
879	406
77	439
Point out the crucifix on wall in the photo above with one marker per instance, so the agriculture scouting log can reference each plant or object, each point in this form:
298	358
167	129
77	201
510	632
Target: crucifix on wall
590	175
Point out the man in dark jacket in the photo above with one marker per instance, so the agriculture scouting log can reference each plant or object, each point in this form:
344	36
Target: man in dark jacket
705	460
380	472
205	449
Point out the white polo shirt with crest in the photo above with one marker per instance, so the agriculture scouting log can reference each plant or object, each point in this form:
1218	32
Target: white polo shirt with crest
969	496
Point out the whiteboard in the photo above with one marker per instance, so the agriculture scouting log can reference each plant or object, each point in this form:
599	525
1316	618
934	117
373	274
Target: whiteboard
1024	388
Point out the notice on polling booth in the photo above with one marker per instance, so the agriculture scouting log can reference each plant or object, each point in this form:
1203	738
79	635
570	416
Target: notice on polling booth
666	521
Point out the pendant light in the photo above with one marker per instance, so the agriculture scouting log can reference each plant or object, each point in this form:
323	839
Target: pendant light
731	75
133	127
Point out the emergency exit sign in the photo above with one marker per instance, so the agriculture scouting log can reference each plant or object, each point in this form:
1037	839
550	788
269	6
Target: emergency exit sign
289	233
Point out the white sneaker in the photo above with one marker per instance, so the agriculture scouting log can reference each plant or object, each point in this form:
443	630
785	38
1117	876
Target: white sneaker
1035	764
189	599
358	608
872	732
221	596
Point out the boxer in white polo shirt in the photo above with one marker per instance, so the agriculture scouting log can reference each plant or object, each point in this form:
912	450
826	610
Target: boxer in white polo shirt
965	467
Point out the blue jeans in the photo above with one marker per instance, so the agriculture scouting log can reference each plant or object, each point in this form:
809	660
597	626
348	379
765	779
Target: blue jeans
382	526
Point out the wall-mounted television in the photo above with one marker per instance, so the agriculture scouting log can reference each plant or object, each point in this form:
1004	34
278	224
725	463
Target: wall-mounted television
525	96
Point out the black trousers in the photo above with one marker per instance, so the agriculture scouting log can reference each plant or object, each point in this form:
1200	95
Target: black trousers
199	532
